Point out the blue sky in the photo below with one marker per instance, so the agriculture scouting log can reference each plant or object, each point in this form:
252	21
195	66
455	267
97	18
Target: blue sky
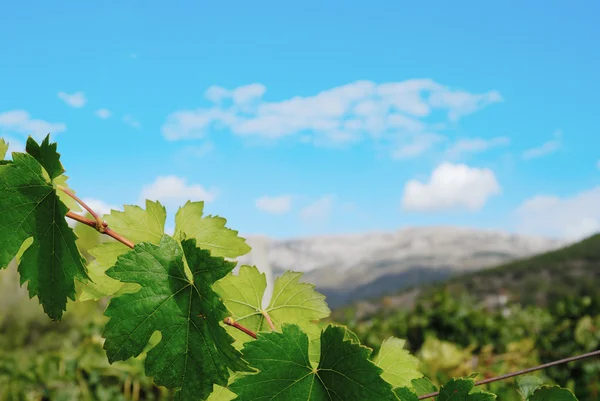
305	119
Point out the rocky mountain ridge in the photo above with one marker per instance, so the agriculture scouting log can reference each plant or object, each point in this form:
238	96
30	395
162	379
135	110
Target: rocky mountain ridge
354	266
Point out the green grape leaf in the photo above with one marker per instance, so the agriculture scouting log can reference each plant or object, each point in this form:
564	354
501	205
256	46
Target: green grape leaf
399	367
405	394
344	371
49	158
195	352
221	393
3	149
46	155
526	385
459	389
135	224
552	393
209	231
423	386
31	210
292	302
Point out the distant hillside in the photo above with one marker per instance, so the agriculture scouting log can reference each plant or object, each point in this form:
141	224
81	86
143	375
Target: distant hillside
347	268
538	280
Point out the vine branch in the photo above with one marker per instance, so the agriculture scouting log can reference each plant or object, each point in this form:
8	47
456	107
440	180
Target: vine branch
525	371
99	222
230	322
103	228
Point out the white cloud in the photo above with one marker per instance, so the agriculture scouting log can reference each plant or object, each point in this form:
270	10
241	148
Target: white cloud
474	145
103	113
545	149
460	103
274	204
239	96
451	186
76	100
20	122
319	209
341	114
173	191
132	122
420	144
190	124
571	217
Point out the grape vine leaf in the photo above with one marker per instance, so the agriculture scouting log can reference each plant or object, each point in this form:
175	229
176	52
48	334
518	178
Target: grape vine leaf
49	158
3	149
344	371
139	225
209	231
459	389
423	386
221	393
46	154
292	302
405	394
32	209
135	224
399	367
552	393
526	385
194	352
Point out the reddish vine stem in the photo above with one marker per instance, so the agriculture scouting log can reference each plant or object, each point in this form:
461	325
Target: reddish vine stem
105	229
81	219
99	222
525	371
118	237
230	322
268	319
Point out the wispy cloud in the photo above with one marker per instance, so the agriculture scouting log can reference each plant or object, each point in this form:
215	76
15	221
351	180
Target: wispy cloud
460	103
103	113
418	144
241	95
320	209
173	191
474	145
274	204
545	149
76	100
132	122
20	122
572	217
361	109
